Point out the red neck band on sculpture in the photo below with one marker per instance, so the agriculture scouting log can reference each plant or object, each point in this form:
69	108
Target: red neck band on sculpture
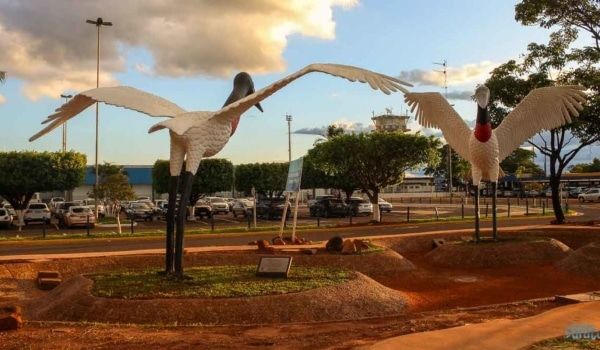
483	132
234	125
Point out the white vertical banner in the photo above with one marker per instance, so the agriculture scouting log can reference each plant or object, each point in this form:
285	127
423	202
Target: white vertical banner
292	185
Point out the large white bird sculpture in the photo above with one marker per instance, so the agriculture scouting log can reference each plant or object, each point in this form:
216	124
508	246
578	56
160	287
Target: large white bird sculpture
542	109
199	134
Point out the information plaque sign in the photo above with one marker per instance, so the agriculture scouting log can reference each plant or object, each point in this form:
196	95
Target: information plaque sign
274	266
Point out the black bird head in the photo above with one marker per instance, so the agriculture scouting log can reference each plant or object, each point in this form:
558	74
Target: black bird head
242	86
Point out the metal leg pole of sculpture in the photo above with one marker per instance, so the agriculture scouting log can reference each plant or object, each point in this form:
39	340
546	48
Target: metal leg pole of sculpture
477	217
170	236
494	212
180	225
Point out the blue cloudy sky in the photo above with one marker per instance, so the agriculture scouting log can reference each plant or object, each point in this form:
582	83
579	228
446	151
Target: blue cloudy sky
188	51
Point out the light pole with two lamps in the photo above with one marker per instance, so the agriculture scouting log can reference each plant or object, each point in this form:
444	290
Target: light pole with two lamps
64	131
288	118
98	23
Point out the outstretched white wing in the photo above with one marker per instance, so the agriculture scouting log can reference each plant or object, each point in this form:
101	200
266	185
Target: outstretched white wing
120	96
434	111
542	109
228	113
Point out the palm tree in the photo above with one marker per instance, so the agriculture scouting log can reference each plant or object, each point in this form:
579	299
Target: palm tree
2	76
332	131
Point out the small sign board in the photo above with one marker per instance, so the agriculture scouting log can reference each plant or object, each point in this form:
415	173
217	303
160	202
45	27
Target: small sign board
274	266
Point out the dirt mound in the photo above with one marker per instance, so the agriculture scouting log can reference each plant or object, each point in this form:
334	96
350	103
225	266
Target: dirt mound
71	301
584	261
359	298
496	254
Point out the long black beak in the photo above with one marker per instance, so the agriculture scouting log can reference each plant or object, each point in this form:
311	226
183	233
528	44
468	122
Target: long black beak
250	92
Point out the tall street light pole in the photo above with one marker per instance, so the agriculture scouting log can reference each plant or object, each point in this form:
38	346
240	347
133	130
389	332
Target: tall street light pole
64	131
288	118
98	23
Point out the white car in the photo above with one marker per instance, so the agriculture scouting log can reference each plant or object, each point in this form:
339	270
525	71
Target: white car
218	204
385	205
360	206
38	212
591	195
6	219
90	202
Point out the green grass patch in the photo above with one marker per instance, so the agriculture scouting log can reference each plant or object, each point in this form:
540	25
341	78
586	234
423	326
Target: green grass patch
502	240
567	344
212	282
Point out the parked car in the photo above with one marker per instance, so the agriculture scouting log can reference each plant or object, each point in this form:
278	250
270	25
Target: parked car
11	210
62	208
360	206
6	219
326	207
385	205
140	210
79	215
591	195
272	208
36	212
574	192
564	194
242	207
54	201
91	202
317	198
532	193
202	209
218	204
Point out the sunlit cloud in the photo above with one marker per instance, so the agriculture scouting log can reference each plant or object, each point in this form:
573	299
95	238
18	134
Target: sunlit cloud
57	53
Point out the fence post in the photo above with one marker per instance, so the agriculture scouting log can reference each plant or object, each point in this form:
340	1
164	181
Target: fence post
462	210
132	223
526	208
87	225
212	221
407	214
487	205
437	214
43	228
508	205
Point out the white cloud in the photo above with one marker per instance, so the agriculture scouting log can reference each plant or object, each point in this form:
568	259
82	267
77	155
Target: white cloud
472	74
57	53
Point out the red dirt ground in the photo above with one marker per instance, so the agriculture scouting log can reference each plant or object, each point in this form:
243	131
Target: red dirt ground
437	296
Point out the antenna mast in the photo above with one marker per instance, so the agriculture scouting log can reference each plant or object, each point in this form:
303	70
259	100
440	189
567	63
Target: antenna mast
444	65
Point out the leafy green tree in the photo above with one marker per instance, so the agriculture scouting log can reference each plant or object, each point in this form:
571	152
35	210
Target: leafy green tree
555	63
22	174
214	175
523	159
375	160
460	168
115	187
107	171
592	167
268	179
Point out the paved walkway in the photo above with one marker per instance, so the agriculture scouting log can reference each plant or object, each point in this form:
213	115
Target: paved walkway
500	334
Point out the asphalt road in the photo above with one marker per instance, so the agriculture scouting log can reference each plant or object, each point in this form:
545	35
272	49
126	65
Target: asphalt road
42	247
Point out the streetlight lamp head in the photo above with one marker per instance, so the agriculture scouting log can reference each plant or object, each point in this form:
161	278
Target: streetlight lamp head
99	22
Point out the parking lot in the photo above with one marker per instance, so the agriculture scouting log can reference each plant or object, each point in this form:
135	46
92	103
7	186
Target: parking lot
409	210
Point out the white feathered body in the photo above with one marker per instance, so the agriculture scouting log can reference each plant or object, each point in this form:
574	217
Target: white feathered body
542	109
196	136
484	158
